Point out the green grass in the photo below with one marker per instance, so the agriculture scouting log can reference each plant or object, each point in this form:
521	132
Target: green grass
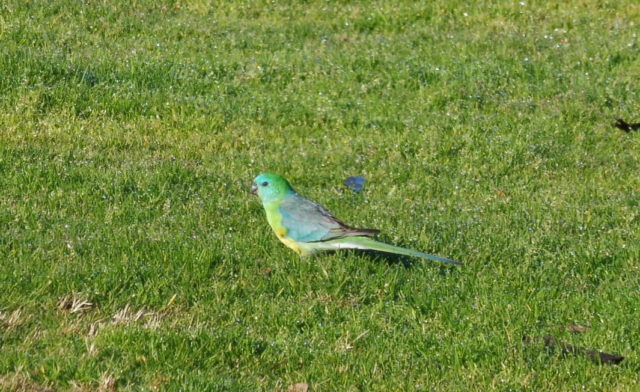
130	132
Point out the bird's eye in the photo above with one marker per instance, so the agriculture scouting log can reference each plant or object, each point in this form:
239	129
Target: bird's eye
265	183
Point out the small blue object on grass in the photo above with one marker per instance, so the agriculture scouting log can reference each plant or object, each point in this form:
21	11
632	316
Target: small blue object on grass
355	183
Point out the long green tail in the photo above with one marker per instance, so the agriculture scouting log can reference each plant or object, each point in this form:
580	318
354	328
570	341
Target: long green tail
368	243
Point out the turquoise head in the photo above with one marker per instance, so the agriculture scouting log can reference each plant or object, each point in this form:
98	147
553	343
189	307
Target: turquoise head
270	187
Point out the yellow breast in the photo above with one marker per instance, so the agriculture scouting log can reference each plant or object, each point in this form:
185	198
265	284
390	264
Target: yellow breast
290	243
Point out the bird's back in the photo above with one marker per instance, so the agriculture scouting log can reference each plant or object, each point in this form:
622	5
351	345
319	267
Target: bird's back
307	221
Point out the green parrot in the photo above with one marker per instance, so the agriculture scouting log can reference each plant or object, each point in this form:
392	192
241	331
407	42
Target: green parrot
307	227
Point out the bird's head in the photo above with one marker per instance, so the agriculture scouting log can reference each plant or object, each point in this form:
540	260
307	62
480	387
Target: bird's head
270	187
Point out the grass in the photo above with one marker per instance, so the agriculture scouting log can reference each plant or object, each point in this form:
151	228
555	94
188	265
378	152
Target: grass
134	258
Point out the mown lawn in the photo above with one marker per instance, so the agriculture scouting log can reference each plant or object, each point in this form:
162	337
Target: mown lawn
133	256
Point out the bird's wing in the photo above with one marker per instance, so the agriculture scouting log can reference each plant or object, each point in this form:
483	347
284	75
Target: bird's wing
307	221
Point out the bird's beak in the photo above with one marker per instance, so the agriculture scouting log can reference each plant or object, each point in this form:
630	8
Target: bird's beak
254	188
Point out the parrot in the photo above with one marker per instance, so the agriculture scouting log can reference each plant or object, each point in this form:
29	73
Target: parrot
307	227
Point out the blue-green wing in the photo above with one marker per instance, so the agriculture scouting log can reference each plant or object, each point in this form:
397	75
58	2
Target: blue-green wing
307	221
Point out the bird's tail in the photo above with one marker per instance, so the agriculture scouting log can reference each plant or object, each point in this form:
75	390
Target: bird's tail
371	244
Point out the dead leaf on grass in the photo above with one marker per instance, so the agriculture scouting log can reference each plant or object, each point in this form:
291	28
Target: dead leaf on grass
74	303
577	328
21	383
12	320
299	387
108	383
